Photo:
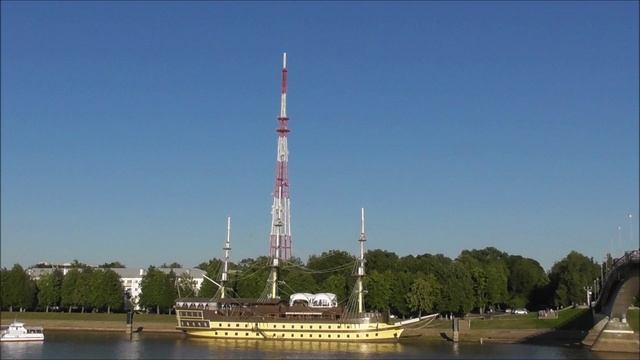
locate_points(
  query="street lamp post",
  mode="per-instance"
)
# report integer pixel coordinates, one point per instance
(630, 217)
(588, 290)
(619, 238)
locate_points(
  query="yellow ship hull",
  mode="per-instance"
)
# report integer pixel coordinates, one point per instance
(306, 331)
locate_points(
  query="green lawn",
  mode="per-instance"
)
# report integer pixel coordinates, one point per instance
(5, 315)
(571, 319)
(633, 317)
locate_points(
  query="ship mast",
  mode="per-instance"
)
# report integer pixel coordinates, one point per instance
(275, 259)
(225, 273)
(361, 261)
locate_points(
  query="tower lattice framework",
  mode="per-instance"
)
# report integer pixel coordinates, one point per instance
(280, 236)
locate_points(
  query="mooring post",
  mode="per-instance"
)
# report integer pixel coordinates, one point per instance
(456, 329)
(129, 308)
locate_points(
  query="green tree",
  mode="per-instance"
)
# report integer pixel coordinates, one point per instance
(423, 294)
(251, 278)
(457, 291)
(113, 291)
(186, 285)
(3, 287)
(18, 289)
(68, 295)
(381, 260)
(378, 285)
(173, 265)
(158, 290)
(84, 291)
(526, 280)
(50, 288)
(493, 286)
(480, 286)
(170, 292)
(107, 291)
(78, 265)
(400, 286)
(337, 284)
(570, 275)
(112, 265)
(330, 263)
(297, 279)
(213, 269)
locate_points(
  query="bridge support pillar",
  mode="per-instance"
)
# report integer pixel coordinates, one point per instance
(617, 336)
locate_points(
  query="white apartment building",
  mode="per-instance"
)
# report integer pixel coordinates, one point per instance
(131, 278)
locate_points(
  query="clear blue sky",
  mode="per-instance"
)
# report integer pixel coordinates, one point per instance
(131, 130)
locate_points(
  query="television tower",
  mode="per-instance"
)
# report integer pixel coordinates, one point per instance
(280, 237)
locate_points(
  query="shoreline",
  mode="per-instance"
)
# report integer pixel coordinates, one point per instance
(547, 337)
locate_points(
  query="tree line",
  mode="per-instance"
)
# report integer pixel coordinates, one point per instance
(480, 280)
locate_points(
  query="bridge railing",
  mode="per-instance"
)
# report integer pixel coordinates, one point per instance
(628, 257)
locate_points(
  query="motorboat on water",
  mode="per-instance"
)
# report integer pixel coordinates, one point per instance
(18, 332)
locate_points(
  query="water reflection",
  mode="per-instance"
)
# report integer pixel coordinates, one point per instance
(267, 348)
(83, 345)
(22, 349)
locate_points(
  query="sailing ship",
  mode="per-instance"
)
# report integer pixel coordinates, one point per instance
(304, 316)
(316, 317)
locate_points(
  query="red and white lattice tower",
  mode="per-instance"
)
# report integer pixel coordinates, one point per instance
(280, 237)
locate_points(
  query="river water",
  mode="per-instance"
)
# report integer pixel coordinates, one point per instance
(80, 345)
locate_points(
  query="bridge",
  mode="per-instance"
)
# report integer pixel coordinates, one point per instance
(617, 293)
(620, 287)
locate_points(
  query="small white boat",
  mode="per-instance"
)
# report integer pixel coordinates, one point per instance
(18, 332)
